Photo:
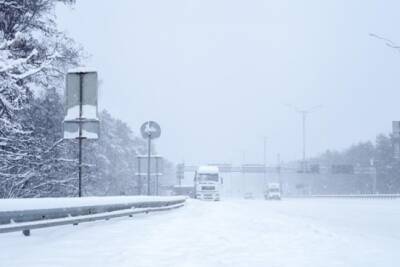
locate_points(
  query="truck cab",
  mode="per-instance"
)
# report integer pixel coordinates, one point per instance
(207, 183)
(272, 191)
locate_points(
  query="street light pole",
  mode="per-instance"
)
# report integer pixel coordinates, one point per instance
(304, 117)
(265, 158)
(304, 113)
(243, 171)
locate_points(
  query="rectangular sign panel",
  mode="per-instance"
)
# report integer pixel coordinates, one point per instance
(156, 165)
(90, 129)
(81, 89)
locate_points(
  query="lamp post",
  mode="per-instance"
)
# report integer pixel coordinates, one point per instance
(304, 113)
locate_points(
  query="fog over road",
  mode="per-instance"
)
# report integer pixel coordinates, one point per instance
(233, 232)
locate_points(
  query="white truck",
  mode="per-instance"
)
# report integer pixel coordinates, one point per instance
(207, 183)
(272, 191)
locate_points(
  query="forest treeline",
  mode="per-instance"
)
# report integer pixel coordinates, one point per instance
(378, 154)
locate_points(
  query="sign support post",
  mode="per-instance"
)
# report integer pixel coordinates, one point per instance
(156, 186)
(80, 136)
(139, 179)
(81, 115)
(150, 130)
(148, 164)
(155, 173)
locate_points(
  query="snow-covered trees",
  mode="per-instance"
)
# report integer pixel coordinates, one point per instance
(47, 165)
(33, 56)
(34, 159)
(363, 154)
(388, 167)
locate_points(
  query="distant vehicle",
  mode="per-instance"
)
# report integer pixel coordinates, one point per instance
(272, 191)
(207, 183)
(248, 195)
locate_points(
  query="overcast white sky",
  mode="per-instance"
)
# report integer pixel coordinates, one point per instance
(216, 74)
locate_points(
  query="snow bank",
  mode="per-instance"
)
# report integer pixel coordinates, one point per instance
(240, 233)
(82, 69)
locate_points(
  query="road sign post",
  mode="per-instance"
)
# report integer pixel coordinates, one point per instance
(81, 115)
(156, 182)
(148, 166)
(156, 170)
(149, 130)
(139, 183)
(180, 173)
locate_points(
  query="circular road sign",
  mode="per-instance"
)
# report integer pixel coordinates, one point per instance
(150, 129)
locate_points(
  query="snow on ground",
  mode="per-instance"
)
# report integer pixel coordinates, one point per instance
(291, 232)
(64, 202)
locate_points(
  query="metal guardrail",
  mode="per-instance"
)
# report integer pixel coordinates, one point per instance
(26, 220)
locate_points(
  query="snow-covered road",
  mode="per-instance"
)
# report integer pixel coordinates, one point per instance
(292, 232)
